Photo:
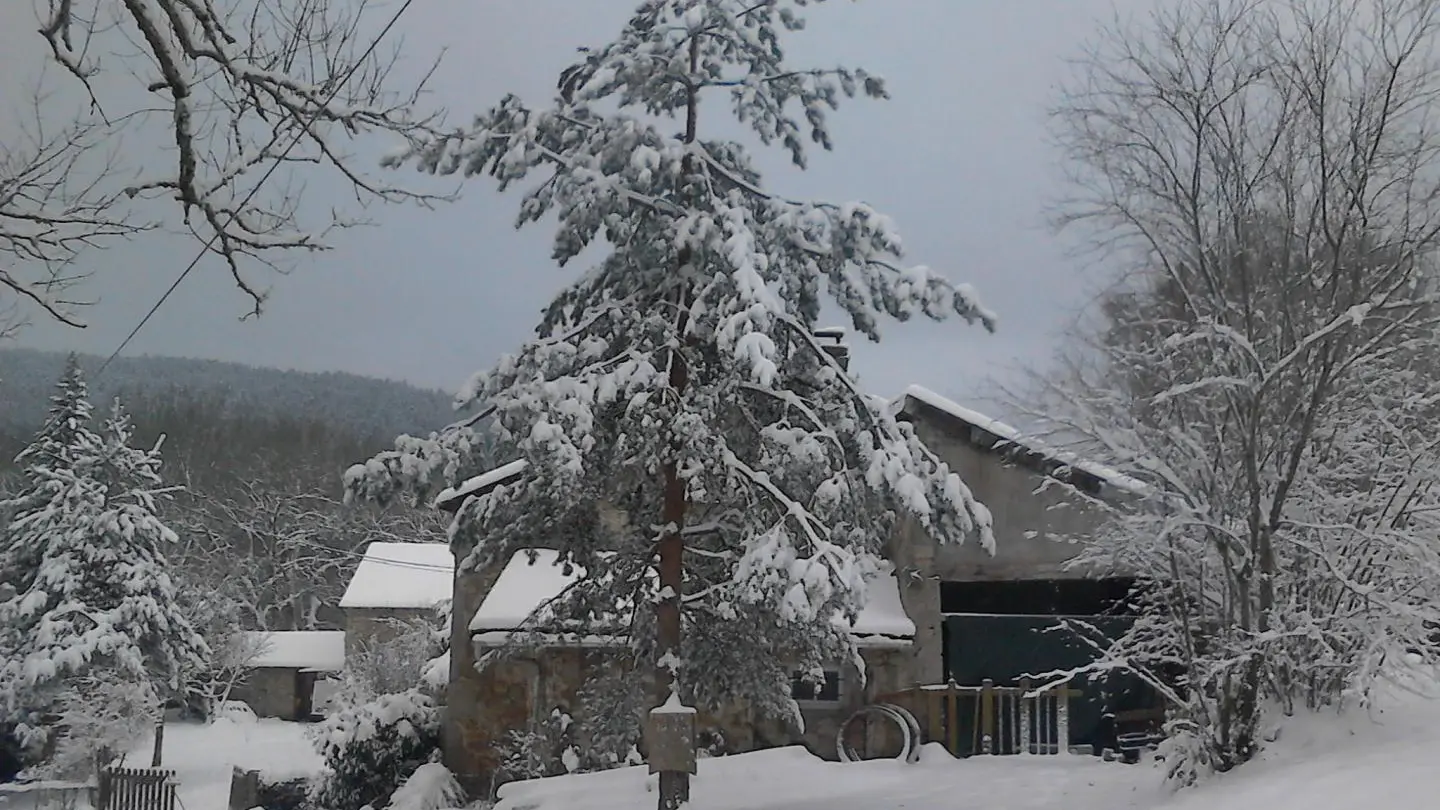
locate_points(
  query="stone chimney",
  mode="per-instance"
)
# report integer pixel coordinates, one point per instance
(832, 342)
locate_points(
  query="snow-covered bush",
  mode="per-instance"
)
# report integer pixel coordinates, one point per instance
(431, 787)
(385, 667)
(287, 794)
(371, 749)
(97, 718)
(547, 748)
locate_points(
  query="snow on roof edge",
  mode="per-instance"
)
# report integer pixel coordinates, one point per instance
(316, 650)
(1008, 433)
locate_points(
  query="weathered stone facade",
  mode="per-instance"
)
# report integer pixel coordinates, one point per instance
(279, 692)
(366, 627)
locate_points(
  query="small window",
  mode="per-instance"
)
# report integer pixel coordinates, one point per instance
(826, 691)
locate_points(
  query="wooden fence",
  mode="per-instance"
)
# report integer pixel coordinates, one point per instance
(1005, 719)
(137, 789)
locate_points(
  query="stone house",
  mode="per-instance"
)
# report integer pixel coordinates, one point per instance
(948, 612)
(281, 678)
(395, 586)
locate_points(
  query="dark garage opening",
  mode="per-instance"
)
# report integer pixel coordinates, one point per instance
(1003, 631)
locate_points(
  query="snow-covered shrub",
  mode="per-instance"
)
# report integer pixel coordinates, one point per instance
(287, 794)
(386, 666)
(547, 748)
(431, 787)
(97, 718)
(371, 749)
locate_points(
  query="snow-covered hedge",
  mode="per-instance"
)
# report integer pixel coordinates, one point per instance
(371, 749)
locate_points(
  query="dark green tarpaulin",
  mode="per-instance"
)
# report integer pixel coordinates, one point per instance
(1006, 648)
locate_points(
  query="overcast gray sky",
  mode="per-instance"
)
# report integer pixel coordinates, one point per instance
(958, 158)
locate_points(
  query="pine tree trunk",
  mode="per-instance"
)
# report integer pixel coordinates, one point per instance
(674, 785)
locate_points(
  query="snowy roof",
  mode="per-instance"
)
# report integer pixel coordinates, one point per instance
(1009, 434)
(402, 575)
(522, 588)
(451, 498)
(320, 650)
(525, 586)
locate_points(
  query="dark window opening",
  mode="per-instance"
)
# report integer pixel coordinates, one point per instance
(1042, 597)
(826, 691)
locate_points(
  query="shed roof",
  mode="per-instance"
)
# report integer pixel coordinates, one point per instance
(312, 650)
(402, 575)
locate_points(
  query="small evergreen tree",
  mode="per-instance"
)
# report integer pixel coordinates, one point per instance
(84, 547)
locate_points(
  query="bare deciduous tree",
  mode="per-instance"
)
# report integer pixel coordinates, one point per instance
(54, 202)
(281, 557)
(1265, 173)
(244, 88)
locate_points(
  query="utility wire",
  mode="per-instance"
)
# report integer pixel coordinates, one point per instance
(209, 243)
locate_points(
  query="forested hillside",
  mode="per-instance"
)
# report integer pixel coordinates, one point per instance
(265, 540)
(359, 406)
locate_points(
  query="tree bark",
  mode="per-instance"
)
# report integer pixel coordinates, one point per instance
(674, 785)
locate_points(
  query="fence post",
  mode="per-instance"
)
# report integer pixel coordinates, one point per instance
(1062, 719)
(1025, 715)
(987, 716)
(952, 705)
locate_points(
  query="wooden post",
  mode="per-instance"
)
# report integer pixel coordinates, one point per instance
(159, 742)
(935, 716)
(106, 786)
(1024, 715)
(952, 718)
(987, 716)
(1062, 718)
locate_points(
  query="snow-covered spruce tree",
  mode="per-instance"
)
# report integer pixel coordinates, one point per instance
(679, 379)
(1264, 373)
(84, 550)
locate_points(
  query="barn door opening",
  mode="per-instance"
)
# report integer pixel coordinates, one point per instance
(1004, 631)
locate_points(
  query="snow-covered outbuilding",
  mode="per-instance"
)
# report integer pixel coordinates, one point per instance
(395, 584)
(284, 667)
(946, 612)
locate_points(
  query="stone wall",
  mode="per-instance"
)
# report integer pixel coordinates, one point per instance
(370, 626)
(886, 671)
(270, 692)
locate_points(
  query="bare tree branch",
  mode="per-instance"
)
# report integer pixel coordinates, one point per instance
(245, 88)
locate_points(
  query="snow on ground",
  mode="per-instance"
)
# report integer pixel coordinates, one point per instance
(1384, 758)
(792, 779)
(203, 754)
(1322, 762)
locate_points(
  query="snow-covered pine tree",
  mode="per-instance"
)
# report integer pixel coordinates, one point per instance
(680, 379)
(84, 549)
(69, 415)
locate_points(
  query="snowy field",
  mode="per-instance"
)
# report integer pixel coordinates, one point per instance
(202, 756)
